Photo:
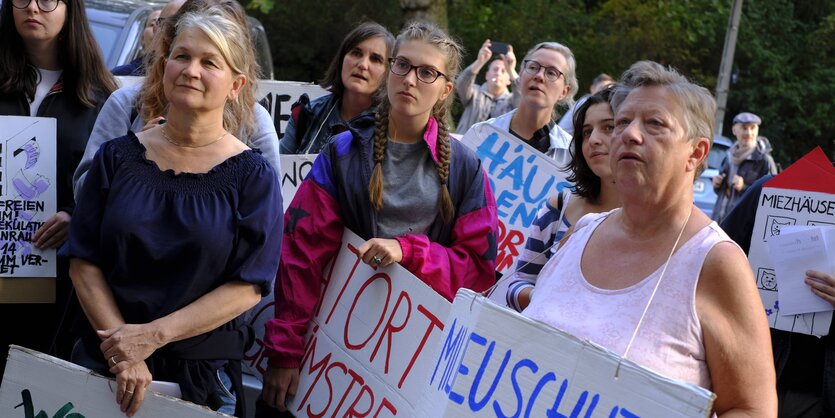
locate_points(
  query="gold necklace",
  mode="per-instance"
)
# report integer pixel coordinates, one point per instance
(178, 144)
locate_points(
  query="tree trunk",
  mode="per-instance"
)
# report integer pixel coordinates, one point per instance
(434, 11)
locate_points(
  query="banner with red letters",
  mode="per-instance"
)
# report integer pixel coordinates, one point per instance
(370, 341)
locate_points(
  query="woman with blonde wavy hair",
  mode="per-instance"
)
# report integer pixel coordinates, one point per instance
(419, 199)
(178, 226)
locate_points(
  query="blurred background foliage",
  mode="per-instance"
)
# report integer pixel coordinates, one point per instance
(784, 67)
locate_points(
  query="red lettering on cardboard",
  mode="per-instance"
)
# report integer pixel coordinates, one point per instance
(390, 328)
(365, 285)
(433, 322)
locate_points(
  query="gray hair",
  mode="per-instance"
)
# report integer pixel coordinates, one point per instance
(697, 103)
(570, 73)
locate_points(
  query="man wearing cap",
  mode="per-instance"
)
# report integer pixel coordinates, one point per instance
(748, 159)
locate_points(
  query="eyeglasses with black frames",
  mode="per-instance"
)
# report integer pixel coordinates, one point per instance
(532, 67)
(46, 6)
(401, 67)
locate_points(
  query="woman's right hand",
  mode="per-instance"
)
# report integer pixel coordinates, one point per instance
(159, 120)
(131, 385)
(484, 53)
(278, 384)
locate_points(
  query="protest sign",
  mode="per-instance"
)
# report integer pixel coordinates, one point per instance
(492, 362)
(278, 96)
(803, 194)
(522, 179)
(796, 250)
(294, 169)
(36, 385)
(28, 194)
(369, 345)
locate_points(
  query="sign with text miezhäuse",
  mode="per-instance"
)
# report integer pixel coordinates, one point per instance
(802, 195)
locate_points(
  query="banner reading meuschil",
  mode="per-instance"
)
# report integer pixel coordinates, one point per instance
(492, 362)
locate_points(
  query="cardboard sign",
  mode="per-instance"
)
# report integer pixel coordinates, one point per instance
(294, 170)
(370, 343)
(803, 194)
(28, 194)
(278, 96)
(522, 179)
(36, 385)
(492, 362)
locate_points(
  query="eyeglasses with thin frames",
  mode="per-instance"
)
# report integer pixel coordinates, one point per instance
(532, 67)
(46, 6)
(401, 67)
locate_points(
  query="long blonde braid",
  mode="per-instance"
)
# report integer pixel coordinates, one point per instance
(444, 149)
(375, 186)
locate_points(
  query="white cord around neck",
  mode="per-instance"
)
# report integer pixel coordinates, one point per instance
(654, 290)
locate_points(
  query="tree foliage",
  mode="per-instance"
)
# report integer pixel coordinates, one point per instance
(783, 70)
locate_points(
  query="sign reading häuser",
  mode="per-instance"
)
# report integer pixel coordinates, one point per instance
(492, 362)
(28, 195)
(37, 385)
(522, 179)
(370, 342)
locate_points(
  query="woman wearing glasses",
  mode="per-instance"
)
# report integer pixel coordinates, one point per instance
(353, 78)
(419, 198)
(50, 66)
(548, 78)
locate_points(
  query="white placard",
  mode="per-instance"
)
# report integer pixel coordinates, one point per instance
(38, 385)
(278, 96)
(370, 343)
(776, 208)
(522, 179)
(29, 194)
(794, 251)
(492, 362)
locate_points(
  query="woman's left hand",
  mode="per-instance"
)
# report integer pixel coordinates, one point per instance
(53, 232)
(131, 385)
(380, 252)
(127, 345)
(822, 285)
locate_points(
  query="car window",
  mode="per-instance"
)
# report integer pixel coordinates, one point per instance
(106, 36)
(716, 155)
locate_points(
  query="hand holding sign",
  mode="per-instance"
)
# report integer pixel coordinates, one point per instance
(822, 284)
(279, 385)
(380, 252)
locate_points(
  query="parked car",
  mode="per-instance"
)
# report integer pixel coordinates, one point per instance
(117, 26)
(703, 194)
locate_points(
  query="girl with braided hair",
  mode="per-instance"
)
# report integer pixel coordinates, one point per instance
(419, 199)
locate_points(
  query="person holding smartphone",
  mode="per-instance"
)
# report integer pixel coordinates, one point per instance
(491, 99)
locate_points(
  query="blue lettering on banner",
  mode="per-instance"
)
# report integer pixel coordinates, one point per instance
(519, 199)
(453, 353)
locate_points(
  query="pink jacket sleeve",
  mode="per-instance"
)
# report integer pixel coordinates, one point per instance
(470, 260)
(312, 235)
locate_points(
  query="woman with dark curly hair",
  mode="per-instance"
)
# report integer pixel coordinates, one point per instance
(594, 192)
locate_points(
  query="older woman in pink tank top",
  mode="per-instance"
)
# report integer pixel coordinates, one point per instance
(656, 281)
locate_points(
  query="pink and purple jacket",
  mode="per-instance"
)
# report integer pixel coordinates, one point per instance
(334, 195)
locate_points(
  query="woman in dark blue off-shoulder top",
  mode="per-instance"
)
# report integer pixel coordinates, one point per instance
(178, 229)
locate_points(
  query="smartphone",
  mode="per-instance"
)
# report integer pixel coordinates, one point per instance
(498, 48)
